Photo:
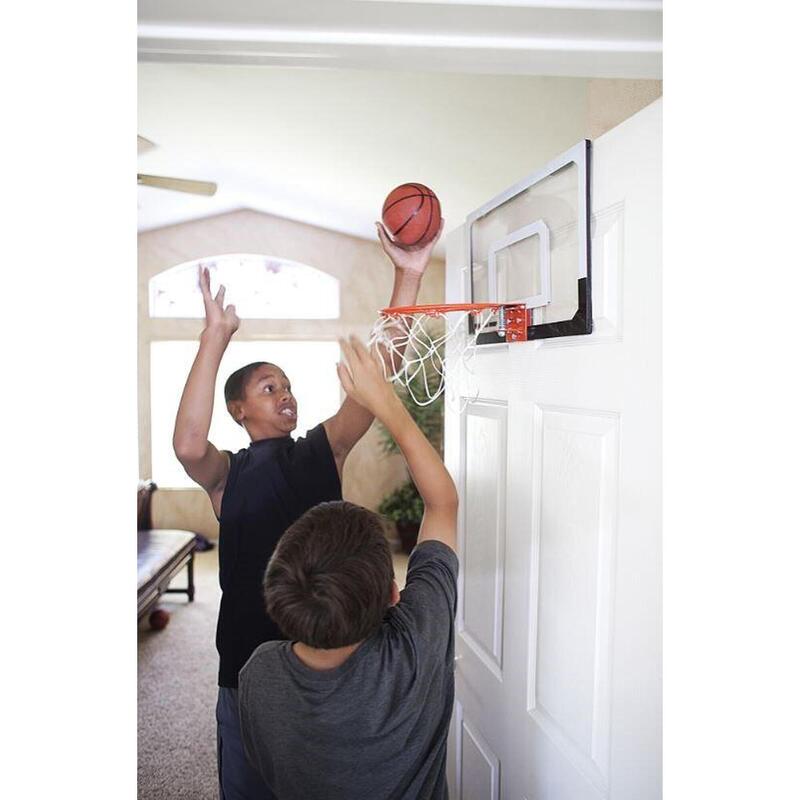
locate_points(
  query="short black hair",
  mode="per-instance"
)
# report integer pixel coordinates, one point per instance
(234, 386)
(329, 581)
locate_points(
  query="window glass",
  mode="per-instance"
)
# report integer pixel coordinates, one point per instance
(261, 287)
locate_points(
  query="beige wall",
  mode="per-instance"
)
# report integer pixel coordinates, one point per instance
(366, 277)
(610, 102)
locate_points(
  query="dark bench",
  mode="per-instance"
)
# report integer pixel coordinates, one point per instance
(160, 555)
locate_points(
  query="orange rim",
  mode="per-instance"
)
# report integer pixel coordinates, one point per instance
(438, 308)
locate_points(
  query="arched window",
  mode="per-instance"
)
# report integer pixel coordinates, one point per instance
(261, 287)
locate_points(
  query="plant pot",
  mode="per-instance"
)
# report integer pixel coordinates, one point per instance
(407, 532)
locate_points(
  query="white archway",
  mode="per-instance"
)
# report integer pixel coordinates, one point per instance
(260, 286)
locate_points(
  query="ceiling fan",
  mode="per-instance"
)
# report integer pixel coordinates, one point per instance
(174, 184)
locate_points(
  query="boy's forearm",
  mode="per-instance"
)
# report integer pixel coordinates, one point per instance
(404, 293)
(406, 287)
(197, 402)
(429, 474)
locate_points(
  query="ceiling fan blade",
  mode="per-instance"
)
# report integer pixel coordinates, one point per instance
(177, 184)
(143, 145)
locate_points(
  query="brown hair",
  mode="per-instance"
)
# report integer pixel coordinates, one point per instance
(329, 581)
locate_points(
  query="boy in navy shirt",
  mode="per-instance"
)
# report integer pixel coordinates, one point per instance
(261, 490)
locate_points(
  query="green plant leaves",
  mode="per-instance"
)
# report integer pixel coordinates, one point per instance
(404, 504)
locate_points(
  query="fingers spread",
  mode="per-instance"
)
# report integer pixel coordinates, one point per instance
(360, 349)
(347, 352)
(205, 282)
(343, 370)
(345, 346)
(344, 377)
(220, 298)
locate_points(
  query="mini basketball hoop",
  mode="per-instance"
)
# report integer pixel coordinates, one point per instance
(415, 344)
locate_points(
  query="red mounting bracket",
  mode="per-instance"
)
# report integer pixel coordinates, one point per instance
(512, 322)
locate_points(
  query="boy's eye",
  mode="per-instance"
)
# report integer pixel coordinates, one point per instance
(269, 388)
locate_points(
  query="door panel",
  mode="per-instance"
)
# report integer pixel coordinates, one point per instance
(558, 467)
(483, 554)
(576, 486)
(479, 766)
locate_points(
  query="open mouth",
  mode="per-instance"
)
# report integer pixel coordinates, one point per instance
(288, 412)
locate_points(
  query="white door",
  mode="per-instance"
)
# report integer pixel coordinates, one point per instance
(558, 665)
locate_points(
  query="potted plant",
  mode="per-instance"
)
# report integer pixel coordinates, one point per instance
(404, 505)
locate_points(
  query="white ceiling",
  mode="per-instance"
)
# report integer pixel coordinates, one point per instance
(580, 38)
(357, 97)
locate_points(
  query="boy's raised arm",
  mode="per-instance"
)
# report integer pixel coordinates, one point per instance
(362, 379)
(352, 421)
(201, 460)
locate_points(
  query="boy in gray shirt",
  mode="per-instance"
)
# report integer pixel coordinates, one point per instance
(358, 703)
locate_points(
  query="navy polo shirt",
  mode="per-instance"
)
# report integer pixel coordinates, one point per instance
(270, 485)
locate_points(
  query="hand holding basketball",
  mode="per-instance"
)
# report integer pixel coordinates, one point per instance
(361, 375)
(409, 259)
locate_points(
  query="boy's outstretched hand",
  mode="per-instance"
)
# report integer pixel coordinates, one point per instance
(361, 376)
(219, 317)
(412, 259)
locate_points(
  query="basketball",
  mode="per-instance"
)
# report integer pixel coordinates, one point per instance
(159, 619)
(411, 214)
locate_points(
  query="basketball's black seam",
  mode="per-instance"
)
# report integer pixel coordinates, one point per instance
(406, 197)
(428, 226)
(400, 200)
(413, 215)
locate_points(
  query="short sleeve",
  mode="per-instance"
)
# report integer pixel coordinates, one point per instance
(313, 467)
(427, 604)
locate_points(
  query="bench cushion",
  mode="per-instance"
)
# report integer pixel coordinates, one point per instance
(156, 549)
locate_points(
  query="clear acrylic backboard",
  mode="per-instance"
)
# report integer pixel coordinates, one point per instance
(530, 245)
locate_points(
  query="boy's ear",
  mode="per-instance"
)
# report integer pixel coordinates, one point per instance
(395, 598)
(236, 411)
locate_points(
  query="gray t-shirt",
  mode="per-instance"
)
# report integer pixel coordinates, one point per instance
(374, 727)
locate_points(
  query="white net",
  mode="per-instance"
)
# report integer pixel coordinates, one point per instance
(425, 349)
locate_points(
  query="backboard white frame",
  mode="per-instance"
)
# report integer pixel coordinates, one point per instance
(540, 229)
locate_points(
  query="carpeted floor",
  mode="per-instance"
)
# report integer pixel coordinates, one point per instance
(177, 694)
(178, 690)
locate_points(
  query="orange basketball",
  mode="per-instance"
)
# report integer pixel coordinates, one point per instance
(411, 214)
